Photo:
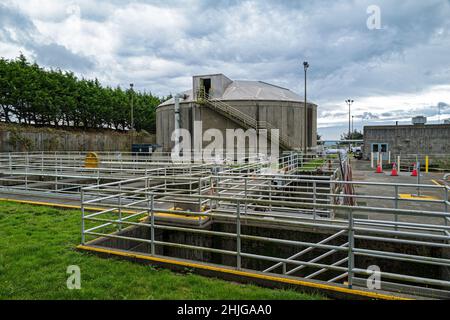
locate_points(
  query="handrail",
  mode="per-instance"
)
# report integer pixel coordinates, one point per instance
(243, 117)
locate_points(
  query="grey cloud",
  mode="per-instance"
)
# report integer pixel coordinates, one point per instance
(369, 116)
(268, 40)
(57, 55)
(17, 28)
(14, 24)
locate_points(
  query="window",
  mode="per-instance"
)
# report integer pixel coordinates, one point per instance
(380, 147)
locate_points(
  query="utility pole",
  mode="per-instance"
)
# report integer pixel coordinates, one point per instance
(305, 122)
(349, 102)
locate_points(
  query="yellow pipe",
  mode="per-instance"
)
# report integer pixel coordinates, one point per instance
(426, 164)
(367, 294)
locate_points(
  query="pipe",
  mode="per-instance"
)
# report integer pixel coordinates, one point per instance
(177, 120)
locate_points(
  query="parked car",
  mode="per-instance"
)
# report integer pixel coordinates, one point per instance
(358, 154)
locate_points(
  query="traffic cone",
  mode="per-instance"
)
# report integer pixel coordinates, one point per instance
(394, 172)
(379, 168)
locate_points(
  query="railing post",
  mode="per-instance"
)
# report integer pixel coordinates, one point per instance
(152, 224)
(199, 193)
(418, 178)
(351, 244)
(26, 178)
(396, 206)
(120, 206)
(445, 203)
(82, 217)
(270, 194)
(284, 268)
(314, 199)
(238, 236)
(245, 191)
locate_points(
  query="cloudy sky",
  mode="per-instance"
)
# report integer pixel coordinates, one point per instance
(393, 72)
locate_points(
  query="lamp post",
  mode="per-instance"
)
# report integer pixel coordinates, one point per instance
(353, 128)
(305, 139)
(349, 102)
(132, 115)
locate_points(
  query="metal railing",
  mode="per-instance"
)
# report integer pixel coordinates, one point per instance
(294, 202)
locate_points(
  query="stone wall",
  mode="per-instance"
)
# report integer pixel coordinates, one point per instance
(16, 138)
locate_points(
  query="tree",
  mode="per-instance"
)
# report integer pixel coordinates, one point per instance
(319, 137)
(32, 95)
(355, 135)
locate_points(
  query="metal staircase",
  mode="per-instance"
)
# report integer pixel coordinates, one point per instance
(241, 118)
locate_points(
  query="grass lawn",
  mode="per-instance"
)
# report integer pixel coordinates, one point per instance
(37, 245)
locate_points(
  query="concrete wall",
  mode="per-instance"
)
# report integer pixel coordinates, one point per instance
(285, 115)
(15, 138)
(305, 234)
(409, 139)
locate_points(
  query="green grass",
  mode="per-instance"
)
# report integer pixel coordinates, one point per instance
(37, 245)
(312, 164)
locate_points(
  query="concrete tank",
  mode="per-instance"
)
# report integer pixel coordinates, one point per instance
(264, 102)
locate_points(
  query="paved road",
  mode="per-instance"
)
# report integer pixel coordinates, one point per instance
(363, 172)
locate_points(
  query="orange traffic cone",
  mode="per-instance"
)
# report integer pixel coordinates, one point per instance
(394, 172)
(379, 169)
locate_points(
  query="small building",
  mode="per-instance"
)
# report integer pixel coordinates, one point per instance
(417, 138)
(234, 104)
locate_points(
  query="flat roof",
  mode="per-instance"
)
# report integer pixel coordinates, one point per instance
(418, 126)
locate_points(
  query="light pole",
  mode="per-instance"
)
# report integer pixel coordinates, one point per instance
(132, 115)
(353, 128)
(305, 139)
(349, 102)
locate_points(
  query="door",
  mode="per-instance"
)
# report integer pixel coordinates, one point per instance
(381, 149)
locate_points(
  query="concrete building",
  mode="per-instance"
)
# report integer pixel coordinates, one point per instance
(423, 139)
(238, 104)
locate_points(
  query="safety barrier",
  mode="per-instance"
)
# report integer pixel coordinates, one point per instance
(285, 202)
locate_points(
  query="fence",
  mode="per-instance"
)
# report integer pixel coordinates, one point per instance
(283, 202)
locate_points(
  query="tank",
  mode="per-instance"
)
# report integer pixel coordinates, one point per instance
(263, 105)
